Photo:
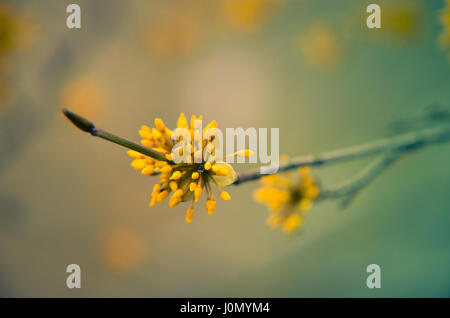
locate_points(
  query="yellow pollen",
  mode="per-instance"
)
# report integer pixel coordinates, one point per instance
(193, 119)
(195, 176)
(147, 143)
(182, 121)
(166, 169)
(174, 201)
(173, 186)
(210, 206)
(176, 175)
(135, 155)
(159, 124)
(197, 193)
(178, 193)
(222, 172)
(245, 153)
(292, 223)
(147, 170)
(156, 134)
(225, 196)
(312, 192)
(161, 150)
(145, 134)
(192, 186)
(189, 215)
(212, 124)
(304, 170)
(161, 164)
(156, 187)
(162, 195)
(139, 164)
(197, 123)
(305, 204)
(207, 166)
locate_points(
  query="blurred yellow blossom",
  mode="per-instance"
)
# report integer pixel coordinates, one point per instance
(173, 32)
(248, 15)
(122, 249)
(16, 34)
(320, 46)
(199, 169)
(16, 30)
(83, 94)
(444, 17)
(402, 20)
(287, 199)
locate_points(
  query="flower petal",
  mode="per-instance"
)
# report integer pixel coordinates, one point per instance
(223, 181)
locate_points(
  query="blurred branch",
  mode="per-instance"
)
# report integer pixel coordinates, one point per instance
(350, 189)
(391, 148)
(432, 115)
(402, 143)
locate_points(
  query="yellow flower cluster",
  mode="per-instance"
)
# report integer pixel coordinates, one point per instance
(186, 181)
(16, 30)
(287, 200)
(444, 39)
(122, 249)
(320, 46)
(403, 20)
(248, 15)
(173, 33)
(16, 34)
(85, 96)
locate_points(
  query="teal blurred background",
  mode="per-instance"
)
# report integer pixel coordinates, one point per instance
(311, 68)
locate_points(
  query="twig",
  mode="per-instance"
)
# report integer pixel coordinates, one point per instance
(88, 126)
(392, 145)
(432, 115)
(350, 189)
(402, 143)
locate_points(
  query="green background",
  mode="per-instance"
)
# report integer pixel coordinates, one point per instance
(62, 192)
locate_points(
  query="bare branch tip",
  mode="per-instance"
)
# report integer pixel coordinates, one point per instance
(79, 121)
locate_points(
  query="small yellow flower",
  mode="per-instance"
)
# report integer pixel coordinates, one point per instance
(185, 181)
(84, 95)
(122, 249)
(189, 215)
(320, 46)
(210, 206)
(403, 20)
(17, 33)
(248, 15)
(444, 39)
(17, 30)
(225, 196)
(287, 200)
(173, 33)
